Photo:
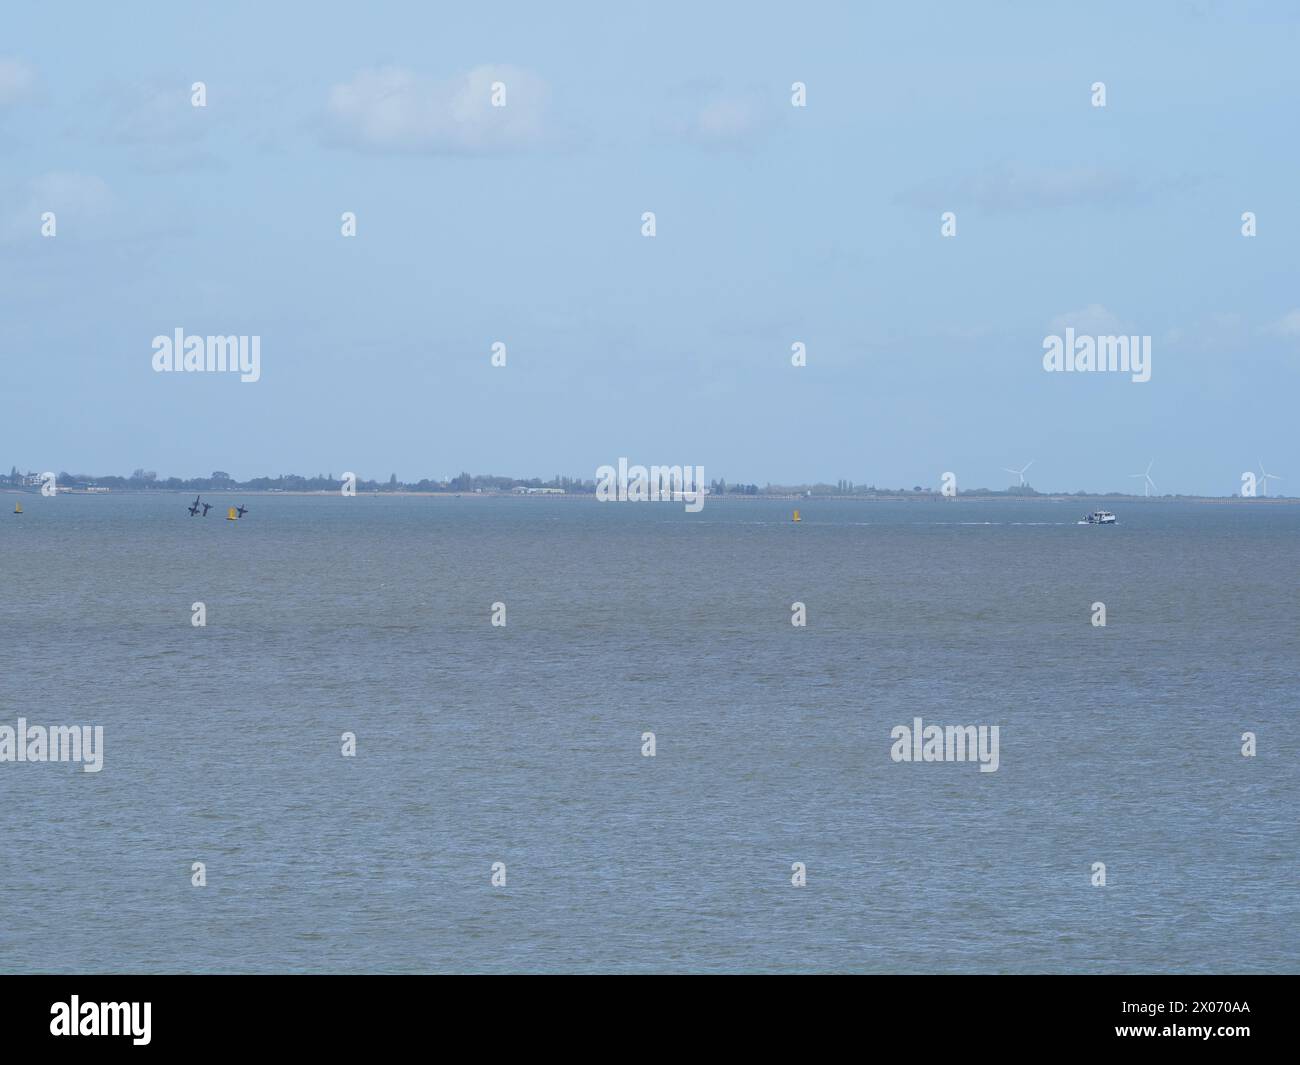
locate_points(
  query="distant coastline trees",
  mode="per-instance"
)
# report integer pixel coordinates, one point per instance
(142, 480)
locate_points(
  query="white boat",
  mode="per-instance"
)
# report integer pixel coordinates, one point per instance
(1099, 517)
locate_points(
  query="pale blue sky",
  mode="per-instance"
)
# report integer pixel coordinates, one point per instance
(775, 224)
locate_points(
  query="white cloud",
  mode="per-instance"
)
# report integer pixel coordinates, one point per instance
(17, 80)
(392, 109)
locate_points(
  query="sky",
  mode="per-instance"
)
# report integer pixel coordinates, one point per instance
(774, 225)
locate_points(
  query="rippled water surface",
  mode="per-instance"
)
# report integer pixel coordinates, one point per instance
(479, 744)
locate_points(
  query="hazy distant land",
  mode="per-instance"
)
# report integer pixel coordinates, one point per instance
(493, 485)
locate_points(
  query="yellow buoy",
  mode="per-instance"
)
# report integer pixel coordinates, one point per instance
(18, 508)
(796, 517)
(231, 515)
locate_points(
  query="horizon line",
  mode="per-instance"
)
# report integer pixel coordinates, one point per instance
(148, 480)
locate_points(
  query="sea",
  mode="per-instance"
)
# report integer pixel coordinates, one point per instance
(502, 810)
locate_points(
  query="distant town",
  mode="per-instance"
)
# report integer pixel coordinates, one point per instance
(491, 484)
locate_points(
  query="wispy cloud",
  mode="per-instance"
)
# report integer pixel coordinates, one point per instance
(393, 109)
(1288, 325)
(78, 201)
(159, 130)
(1010, 187)
(17, 81)
(1215, 331)
(153, 114)
(1092, 320)
(726, 119)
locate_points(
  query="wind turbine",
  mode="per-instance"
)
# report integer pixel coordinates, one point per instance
(1264, 478)
(1149, 484)
(1020, 472)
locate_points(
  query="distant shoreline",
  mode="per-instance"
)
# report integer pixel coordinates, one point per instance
(910, 497)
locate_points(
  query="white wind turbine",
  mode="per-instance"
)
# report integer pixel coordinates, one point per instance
(1265, 477)
(1148, 484)
(1020, 472)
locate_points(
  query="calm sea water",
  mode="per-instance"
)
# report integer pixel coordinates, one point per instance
(522, 744)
